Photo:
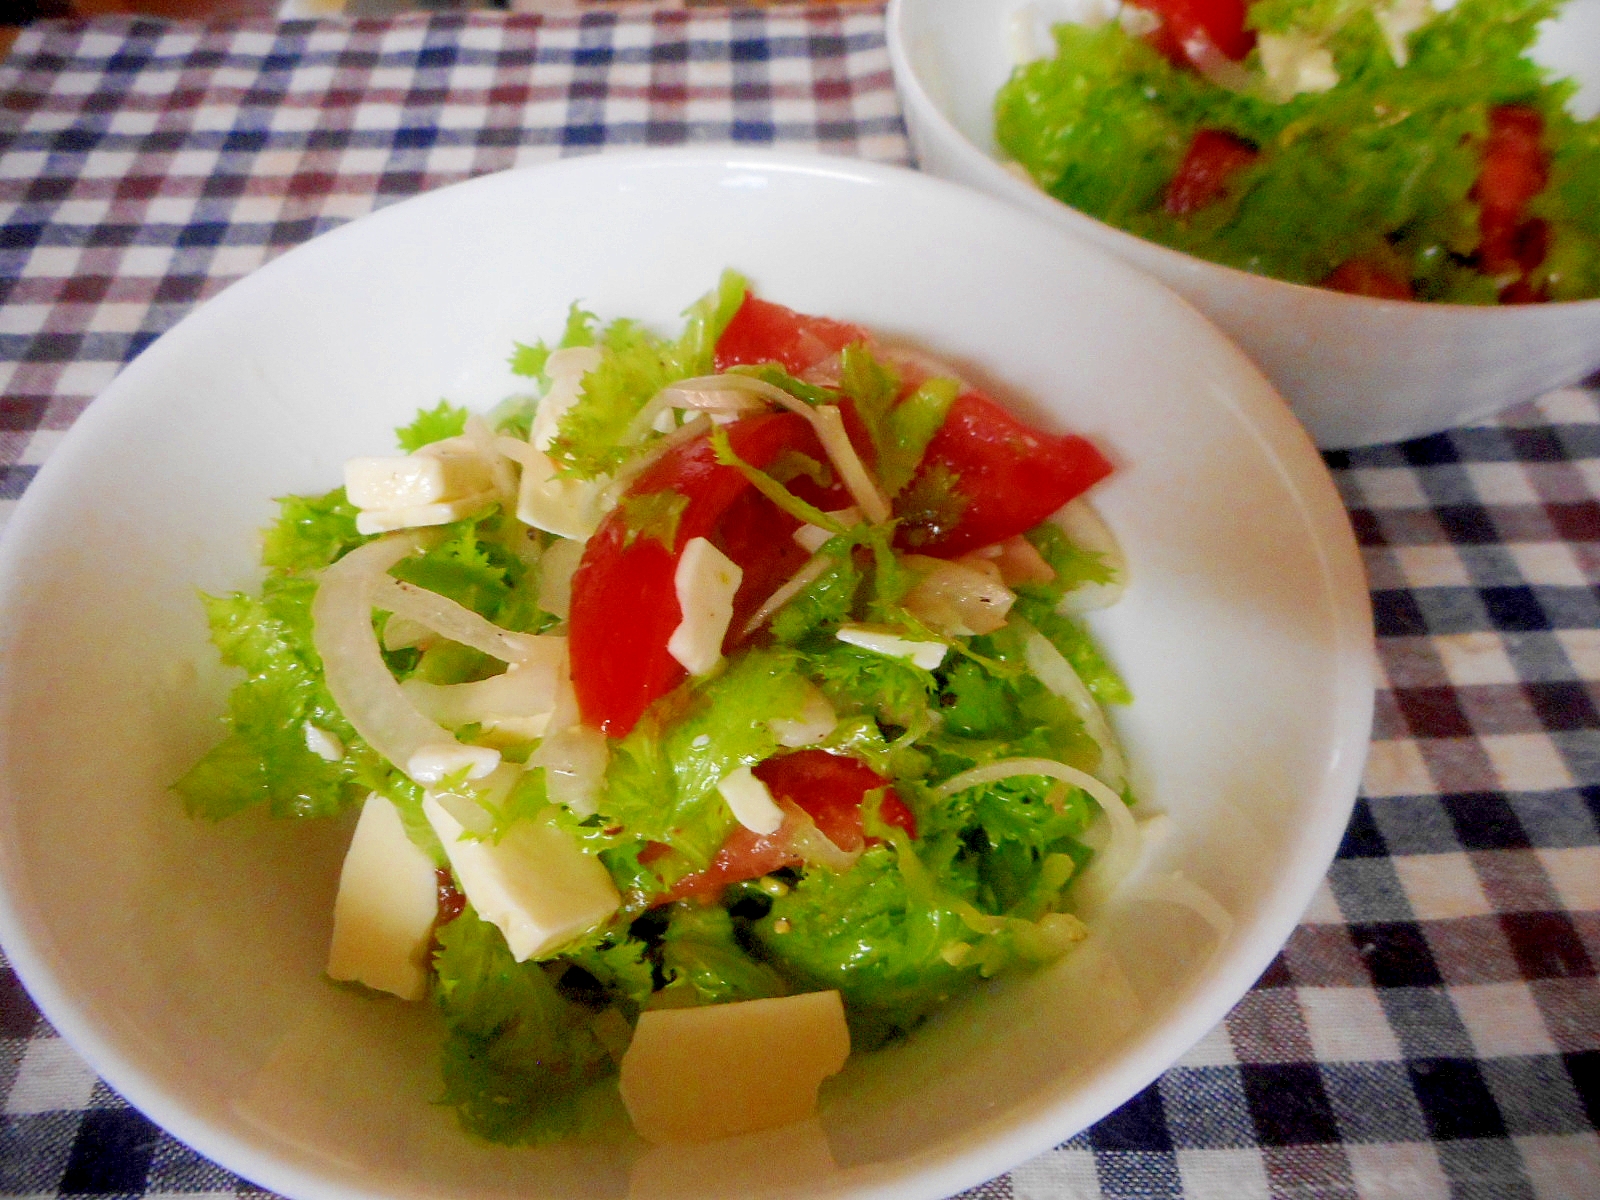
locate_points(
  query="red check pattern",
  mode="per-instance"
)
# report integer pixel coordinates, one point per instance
(1432, 1028)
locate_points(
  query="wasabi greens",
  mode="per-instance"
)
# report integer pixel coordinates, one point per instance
(530, 1049)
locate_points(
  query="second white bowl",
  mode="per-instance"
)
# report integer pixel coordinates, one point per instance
(1356, 370)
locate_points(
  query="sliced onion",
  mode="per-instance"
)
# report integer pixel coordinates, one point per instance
(708, 393)
(1121, 852)
(957, 598)
(824, 418)
(487, 446)
(402, 633)
(1019, 561)
(801, 835)
(748, 385)
(357, 678)
(518, 693)
(460, 624)
(557, 566)
(813, 570)
(829, 424)
(513, 448)
(574, 761)
(1177, 888)
(473, 806)
(816, 721)
(1053, 670)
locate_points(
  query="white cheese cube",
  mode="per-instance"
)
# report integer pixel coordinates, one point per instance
(414, 480)
(322, 743)
(570, 508)
(706, 580)
(416, 516)
(926, 655)
(534, 884)
(696, 1074)
(812, 537)
(1294, 63)
(388, 899)
(750, 802)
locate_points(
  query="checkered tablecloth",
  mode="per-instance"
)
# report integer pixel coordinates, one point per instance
(1431, 1030)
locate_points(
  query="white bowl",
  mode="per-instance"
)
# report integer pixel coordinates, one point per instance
(184, 960)
(1356, 370)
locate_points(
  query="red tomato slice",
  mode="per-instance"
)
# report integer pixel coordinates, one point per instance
(624, 604)
(1008, 476)
(829, 788)
(1193, 30)
(745, 855)
(1361, 278)
(1514, 169)
(1213, 158)
(763, 332)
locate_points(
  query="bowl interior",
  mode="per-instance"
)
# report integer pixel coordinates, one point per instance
(184, 959)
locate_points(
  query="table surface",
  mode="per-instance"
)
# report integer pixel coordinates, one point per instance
(1431, 1029)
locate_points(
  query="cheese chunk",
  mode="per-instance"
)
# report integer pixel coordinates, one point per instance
(383, 916)
(416, 516)
(813, 537)
(750, 802)
(706, 580)
(567, 507)
(535, 885)
(414, 480)
(926, 655)
(696, 1074)
(1294, 63)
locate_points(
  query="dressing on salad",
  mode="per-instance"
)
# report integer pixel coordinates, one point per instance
(739, 673)
(1404, 149)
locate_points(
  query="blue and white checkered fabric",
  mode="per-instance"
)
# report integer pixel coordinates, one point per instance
(1432, 1028)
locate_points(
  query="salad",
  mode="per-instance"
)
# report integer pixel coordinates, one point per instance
(724, 701)
(1406, 149)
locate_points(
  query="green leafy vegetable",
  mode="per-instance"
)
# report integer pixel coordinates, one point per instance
(522, 1063)
(634, 365)
(432, 425)
(1380, 168)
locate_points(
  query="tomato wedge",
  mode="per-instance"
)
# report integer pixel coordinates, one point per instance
(1213, 158)
(1514, 169)
(829, 788)
(1009, 475)
(624, 603)
(1361, 278)
(987, 476)
(762, 332)
(1192, 31)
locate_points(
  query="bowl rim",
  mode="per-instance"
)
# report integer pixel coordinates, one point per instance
(983, 1152)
